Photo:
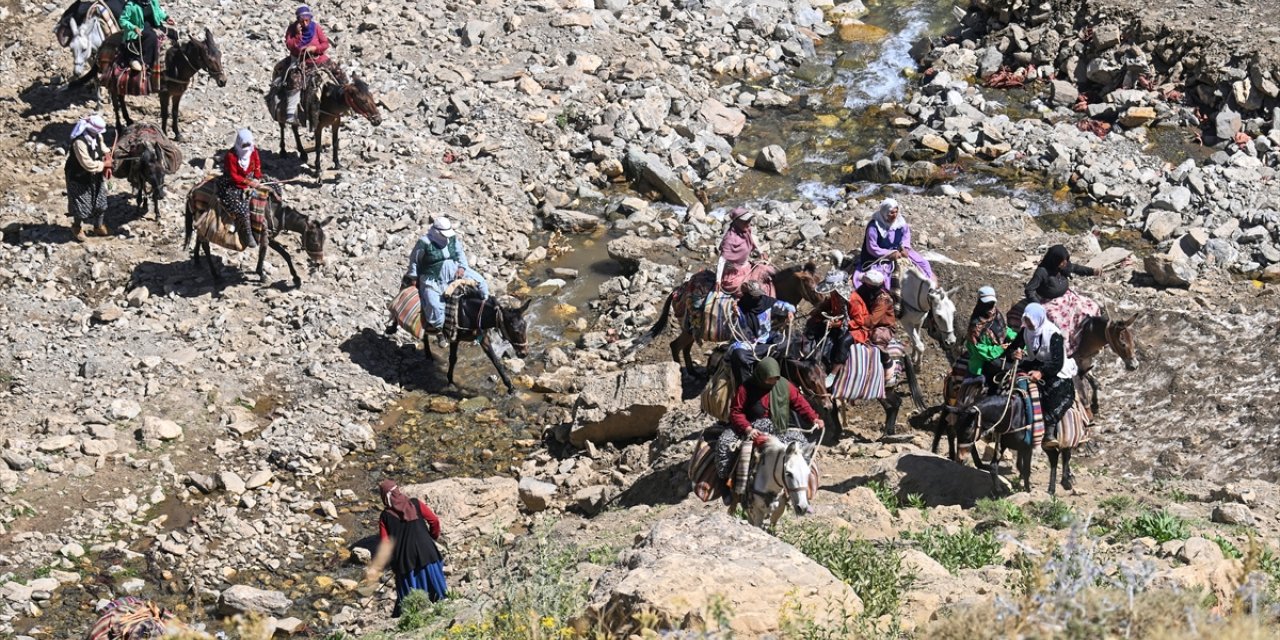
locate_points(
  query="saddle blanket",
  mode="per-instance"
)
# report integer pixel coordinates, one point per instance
(1032, 415)
(123, 81)
(720, 312)
(407, 309)
(210, 222)
(259, 200)
(707, 484)
(863, 377)
(1073, 431)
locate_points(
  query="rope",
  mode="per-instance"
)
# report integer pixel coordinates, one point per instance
(1008, 402)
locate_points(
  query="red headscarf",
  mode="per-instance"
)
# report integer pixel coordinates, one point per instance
(396, 501)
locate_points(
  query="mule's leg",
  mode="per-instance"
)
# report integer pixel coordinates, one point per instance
(994, 469)
(1095, 386)
(453, 360)
(164, 116)
(1024, 467)
(336, 163)
(1068, 478)
(262, 259)
(124, 109)
(319, 139)
(497, 364)
(115, 108)
(288, 260)
(779, 506)
(426, 346)
(177, 100)
(1053, 470)
(297, 141)
(208, 258)
(892, 403)
(282, 148)
(683, 346)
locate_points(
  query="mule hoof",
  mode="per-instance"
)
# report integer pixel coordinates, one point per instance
(297, 282)
(1066, 484)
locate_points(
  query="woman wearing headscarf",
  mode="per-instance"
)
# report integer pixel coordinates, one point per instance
(882, 320)
(408, 531)
(1050, 286)
(241, 171)
(887, 240)
(438, 259)
(1049, 365)
(841, 317)
(735, 267)
(138, 24)
(86, 169)
(754, 335)
(765, 404)
(307, 44)
(989, 335)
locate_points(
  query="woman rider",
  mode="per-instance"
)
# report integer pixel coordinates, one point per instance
(766, 404)
(989, 336)
(139, 22)
(241, 171)
(841, 317)
(735, 267)
(1050, 286)
(1050, 366)
(888, 239)
(307, 44)
(754, 338)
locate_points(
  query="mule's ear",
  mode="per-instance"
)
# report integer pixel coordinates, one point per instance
(524, 306)
(1130, 321)
(208, 36)
(75, 28)
(952, 291)
(325, 222)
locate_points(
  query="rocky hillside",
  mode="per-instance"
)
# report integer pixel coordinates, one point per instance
(218, 454)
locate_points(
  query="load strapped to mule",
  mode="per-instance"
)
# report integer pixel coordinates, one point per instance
(298, 73)
(116, 74)
(217, 225)
(406, 310)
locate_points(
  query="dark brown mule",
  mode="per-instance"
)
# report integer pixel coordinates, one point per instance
(1096, 334)
(335, 101)
(810, 376)
(791, 284)
(510, 323)
(182, 63)
(279, 218)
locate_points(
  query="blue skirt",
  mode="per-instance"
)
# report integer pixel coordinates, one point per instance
(429, 578)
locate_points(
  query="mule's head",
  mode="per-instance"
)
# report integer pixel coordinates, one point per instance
(809, 377)
(1120, 339)
(942, 319)
(208, 56)
(807, 277)
(360, 98)
(515, 329)
(313, 237)
(151, 168)
(795, 473)
(81, 46)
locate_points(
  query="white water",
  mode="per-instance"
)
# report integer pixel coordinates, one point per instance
(882, 80)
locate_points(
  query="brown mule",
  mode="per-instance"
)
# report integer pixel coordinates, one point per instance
(181, 64)
(335, 101)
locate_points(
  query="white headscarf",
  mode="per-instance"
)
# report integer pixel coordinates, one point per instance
(92, 122)
(1040, 330)
(244, 147)
(881, 218)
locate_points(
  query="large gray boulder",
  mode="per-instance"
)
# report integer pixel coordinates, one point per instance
(647, 170)
(470, 508)
(1169, 272)
(625, 405)
(243, 598)
(938, 480)
(685, 565)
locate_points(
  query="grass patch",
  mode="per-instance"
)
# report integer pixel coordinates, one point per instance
(874, 572)
(1000, 510)
(889, 498)
(1160, 525)
(417, 611)
(1229, 550)
(1054, 513)
(964, 549)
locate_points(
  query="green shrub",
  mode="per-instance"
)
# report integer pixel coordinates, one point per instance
(874, 572)
(1054, 513)
(886, 496)
(964, 549)
(1002, 510)
(1160, 525)
(1229, 550)
(417, 611)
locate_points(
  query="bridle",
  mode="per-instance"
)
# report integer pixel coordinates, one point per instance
(503, 331)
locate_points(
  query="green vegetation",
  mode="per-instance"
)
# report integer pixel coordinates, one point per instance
(1160, 525)
(891, 501)
(417, 611)
(964, 549)
(1054, 513)
(1229, 550)
(999, 510)
(874, 572)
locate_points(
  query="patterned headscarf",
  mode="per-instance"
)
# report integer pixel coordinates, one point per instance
(309, 31)
(92, 122)
(395, 500)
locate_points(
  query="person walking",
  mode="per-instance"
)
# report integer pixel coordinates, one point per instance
(87, 168)
(407, 531)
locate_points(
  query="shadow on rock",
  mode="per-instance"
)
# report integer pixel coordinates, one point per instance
(49, 97)
(396, 362)
(181, 277)
(662, 485)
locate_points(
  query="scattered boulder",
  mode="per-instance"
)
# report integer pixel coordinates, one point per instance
(772, 159)
(1233, 513)
(243, 598)
(1063, 93)
(1227, 123)
(535, 494)
(625, 405)
(568, 221)
(723, 120)
(1134, 117)
(1161, 224)
(1168, 272)
(154, 428)
(684, 565)
(938, 480)
(645, 169)
(470, 507)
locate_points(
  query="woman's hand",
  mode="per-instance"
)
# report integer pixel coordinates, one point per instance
(1036, 376)
(459, 273)
(137, 31)
(895, 255)
(759, 438)
(371, 575)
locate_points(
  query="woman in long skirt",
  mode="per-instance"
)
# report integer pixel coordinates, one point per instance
(408, 530)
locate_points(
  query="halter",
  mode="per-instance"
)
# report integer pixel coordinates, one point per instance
(502, 329)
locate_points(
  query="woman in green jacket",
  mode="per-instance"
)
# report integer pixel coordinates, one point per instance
(989, 335)
(138, 23)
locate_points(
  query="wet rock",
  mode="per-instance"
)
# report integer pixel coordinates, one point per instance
(572, 221)
(535, 494)
(684, 564)
(723, 120)
(1233, 513)
(630, 250)
(772, 159)
(243, 598)
(625, 405)
(815, 74)
(877, 170)
(647, 170)
(1168, 272)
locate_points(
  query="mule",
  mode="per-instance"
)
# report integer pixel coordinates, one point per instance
(335, 101)
(488, 314)
(929, 307)
(792, 284)
(809, 375)
(279, 218)
(87, 37)
(143, 156)
(1098, 333)
(181, 64)
(783, 472)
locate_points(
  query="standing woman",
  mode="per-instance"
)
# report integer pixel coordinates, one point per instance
(241, 171)
(887, 240)
(408, 530)
(1050, 366)
(87, 167)
(735, 267)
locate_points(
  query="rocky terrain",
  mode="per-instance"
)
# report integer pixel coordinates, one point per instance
(218, 453)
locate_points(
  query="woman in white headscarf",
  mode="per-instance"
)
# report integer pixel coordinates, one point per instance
(888, 239)
(86, 169)
(241, 171)
(1048, 363)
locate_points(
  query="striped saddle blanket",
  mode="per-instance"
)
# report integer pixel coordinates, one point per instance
(131, 618)
(1027, 411)
(1073, 431)
(259, 203)
(707, 484)
(209, 220)
(863, 377)
(719, 313)
(406, 307)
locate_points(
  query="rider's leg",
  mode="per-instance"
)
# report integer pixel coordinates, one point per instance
(483, 286)
(150, 48)
(293, 95)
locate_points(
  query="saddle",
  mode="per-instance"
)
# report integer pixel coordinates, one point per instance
(313, 78)
(213, 223)
(456, 314)
(137, 136)
(120, 78)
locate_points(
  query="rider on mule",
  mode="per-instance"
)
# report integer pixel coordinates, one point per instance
(989, 337)
(887, 240)
(754, 337)
(139, 22)
(735, 267)
(766, 404)
(1050, 366)
(241, 172)
(307, 44)
(437, 260)
(1050, 286)
(842, 318)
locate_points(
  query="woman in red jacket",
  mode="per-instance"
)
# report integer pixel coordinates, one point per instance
(762, 406)
(307, 44)
(241, 171)
(408, 530)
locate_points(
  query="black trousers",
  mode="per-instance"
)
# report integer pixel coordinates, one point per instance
(1058, 396)
(147, 45)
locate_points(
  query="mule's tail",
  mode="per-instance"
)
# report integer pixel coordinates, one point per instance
(913, 382)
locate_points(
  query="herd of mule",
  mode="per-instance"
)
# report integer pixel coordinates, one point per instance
(95, 41)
